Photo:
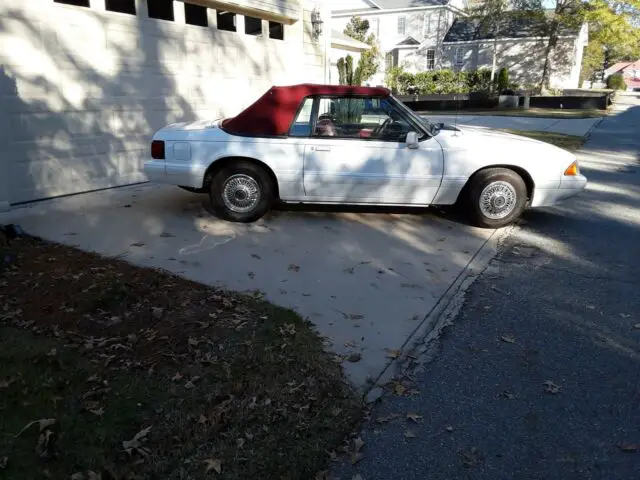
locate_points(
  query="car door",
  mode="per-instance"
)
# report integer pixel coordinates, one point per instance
(357, 153)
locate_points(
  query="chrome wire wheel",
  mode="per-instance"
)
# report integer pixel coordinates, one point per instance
(498, 200)
(241, 193)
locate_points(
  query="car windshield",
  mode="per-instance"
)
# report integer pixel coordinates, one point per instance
(432, 128)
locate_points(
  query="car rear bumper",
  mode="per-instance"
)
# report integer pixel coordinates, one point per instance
(158, 171)
(569, 187)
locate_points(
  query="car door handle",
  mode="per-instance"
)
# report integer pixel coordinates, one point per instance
(321, 149)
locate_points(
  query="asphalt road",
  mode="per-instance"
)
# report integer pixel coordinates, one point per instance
(539, 374)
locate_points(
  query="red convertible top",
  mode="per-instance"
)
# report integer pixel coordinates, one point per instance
(272, 114)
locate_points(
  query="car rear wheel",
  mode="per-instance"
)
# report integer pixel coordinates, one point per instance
(496, 197)
(241, 192)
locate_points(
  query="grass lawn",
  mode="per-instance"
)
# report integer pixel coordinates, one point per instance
(532, 112)
(110, 371)
(568, 142)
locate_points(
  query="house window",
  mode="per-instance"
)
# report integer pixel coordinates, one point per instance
(160, 9)
(402, 25)
(426, 27)
(388, 60)
(431, 59)
(276, 30)
(252, 26)
(195, 15)
(459, 60)
(121, 6)
(76, 3)
(226, 21)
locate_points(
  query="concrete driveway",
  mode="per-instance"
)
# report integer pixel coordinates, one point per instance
(368, 281)
(568, 126)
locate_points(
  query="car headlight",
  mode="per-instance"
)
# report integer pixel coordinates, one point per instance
(573, 169)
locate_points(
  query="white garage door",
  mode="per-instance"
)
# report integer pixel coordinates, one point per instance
(84, 83)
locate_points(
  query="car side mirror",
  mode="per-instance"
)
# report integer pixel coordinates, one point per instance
(412, 140)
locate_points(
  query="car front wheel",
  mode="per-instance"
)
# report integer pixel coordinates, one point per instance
(496, 197)
(241, 192)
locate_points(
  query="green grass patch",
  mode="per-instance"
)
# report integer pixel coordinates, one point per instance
(112, 371)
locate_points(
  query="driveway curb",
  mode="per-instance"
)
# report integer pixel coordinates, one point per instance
(417, 345)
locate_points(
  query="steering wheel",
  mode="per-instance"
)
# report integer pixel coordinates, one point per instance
(380, 128)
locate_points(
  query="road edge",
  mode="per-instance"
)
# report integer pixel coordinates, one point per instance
(417, 345)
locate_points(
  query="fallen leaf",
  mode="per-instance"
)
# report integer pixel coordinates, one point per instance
(3, 462)
(356, 457)
(157, 312)
(507, 394)
(354, 357)
(591, 307)
(629, 447)
(625, 315)
(387, 418)
(637, 325)
(471, 457)
(413, 417)
(355, 316)
(358, 443)
(6, 383)
(399, 389)
(193, 342)
(138, 244)
(393, 353)
(177, 377)
(202, 420)
(98, 411)
(357, 476)
(449, 429)
(409, 434)
(508, 339)
(551, 387)
(214, 464)
(136, 442)
(293, 267)
(77, 476)
(52, 353)
(93, 475)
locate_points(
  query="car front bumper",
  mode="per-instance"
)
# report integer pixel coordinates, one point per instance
(569, 187)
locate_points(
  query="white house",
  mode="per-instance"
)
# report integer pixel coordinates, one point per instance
(520, 48)
(422, 35)
(410, 31)
(84, 83)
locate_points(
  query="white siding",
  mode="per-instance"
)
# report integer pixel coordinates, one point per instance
(83, 89)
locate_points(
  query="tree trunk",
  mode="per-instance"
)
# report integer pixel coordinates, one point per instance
(548, 51)
(495, 59)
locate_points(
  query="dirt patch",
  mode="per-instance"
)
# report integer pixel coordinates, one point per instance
(128, 373)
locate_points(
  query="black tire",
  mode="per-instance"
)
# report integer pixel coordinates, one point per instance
(192, 189)
(243, 169)
(480, 181)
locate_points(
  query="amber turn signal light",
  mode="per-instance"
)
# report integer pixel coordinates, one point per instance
(572, 170)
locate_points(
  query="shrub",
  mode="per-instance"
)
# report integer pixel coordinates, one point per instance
(502, 81)
(616, 82)
(391, 78)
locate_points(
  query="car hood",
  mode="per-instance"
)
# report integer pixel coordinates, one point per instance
(480, 137)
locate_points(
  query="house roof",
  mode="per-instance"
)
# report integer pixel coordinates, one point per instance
(340, 40)
(381, 5)
(616, 67)
(393, 4)
(512, 26)
(272, 114)
(408, 42)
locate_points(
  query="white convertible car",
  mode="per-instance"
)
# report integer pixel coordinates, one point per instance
(334, 144)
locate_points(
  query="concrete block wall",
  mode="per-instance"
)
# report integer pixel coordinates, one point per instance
(83, 89)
